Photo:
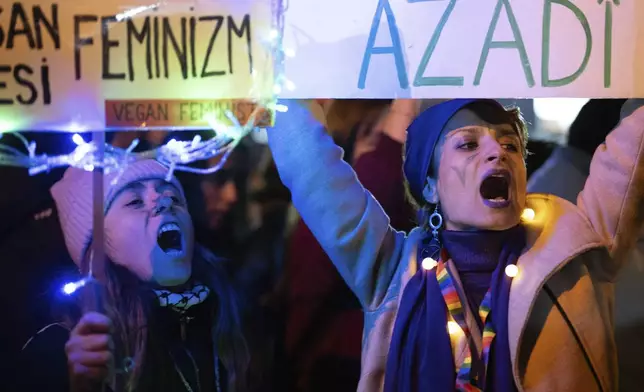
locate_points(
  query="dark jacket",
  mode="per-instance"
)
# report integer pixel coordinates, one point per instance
(171, 361)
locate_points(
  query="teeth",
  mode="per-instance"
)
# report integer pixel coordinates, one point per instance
(168, 227)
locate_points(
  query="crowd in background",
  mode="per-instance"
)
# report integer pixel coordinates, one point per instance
(303, 325)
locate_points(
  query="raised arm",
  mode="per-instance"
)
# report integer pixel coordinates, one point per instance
(613, 197)
(346, 220)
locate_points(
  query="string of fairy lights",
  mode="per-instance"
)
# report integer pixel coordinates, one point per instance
(176, 155)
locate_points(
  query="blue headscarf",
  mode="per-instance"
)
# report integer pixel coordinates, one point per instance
(422, 137)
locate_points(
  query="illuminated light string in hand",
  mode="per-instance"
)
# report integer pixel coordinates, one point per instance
(176, 155)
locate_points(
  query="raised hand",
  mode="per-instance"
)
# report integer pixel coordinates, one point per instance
(90, 353)
(401, 113)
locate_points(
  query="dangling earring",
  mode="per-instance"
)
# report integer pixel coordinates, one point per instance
(435, 222)
(432, 246)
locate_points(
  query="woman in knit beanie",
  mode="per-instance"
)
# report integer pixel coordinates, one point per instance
(496, 290)
(170, 321)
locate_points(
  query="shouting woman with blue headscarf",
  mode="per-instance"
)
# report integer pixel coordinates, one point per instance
(496, 290)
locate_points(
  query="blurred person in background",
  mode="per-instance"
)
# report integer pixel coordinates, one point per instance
(220, 195)
(565, 171)
(564, 174)
(325, 320)
(260, 274)
(538, 153)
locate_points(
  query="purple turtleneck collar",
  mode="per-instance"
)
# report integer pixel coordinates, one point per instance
(476, 255)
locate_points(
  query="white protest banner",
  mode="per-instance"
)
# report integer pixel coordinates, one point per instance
(72, 65)
(465, 48)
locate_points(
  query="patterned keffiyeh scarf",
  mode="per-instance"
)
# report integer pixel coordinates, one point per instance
(181, 302)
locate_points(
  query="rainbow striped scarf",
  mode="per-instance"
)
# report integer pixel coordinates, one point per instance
(421, 354)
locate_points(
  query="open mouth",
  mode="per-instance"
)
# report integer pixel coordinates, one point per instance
(495, 189)
(169, 239)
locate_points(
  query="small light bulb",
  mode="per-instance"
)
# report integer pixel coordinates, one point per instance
(453, 328)
(78, 139)
(289, 52)
(528, 215)
(5, 126)
(428, 263)
(289, 85)
(69, 288)
(512, 270)
(81, 152)
(281, 108)
(273, 34)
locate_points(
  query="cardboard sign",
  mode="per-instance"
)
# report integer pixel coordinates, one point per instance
(62, 62)
(465, 48)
